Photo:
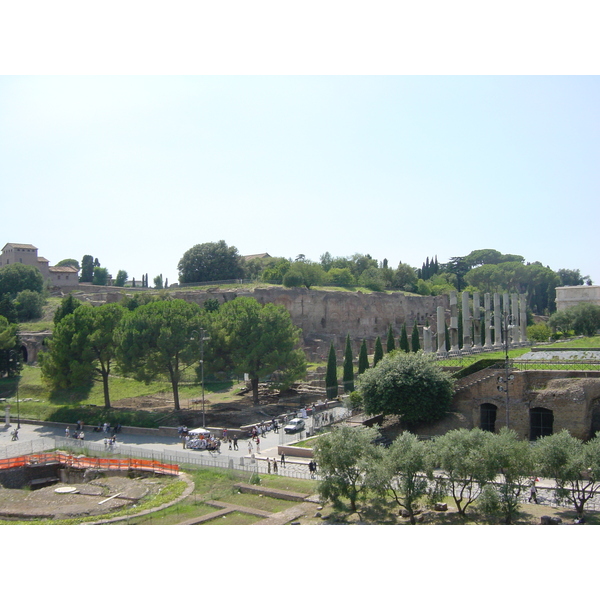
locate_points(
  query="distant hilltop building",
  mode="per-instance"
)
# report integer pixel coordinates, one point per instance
(26, 254)
(571, 295)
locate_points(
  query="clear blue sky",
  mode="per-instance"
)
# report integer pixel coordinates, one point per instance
(136, 170)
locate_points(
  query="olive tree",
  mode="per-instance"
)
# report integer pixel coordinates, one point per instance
(344, 457)
(573, 464)
(401, 472)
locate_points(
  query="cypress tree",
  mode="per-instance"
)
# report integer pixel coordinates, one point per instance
(378, 351)
(348, 367)
(447, 335)
(404, 339)
(363, 358)
(331, 382)
(416, 345)
(391, 343)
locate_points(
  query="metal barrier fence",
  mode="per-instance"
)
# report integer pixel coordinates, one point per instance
(192, 458)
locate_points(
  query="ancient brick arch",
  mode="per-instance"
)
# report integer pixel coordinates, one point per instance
(32, 343)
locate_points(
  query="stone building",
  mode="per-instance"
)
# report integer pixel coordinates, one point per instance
(26, 254)
(571, 295)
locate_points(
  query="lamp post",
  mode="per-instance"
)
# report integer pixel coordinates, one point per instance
(503, 382)
(16, 360)
(201, 338)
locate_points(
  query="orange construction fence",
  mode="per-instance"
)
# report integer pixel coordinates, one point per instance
(89, 462)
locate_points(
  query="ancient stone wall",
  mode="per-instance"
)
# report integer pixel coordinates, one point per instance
(326, 316)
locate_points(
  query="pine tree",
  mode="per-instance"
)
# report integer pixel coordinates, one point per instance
(391, 343)
(331, 382)
(363, 358)
(348, 367)
(378, 351)
(404, 339)
(414, 338)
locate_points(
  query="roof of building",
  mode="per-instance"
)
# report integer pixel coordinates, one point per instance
(64, 269)
(251, 256)
(22, 246)
(42, 259)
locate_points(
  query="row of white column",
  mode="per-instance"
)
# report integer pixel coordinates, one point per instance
(506, 317)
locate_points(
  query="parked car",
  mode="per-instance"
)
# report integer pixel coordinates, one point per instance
(294, 426)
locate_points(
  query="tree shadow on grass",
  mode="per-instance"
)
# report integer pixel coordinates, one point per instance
(72, 395)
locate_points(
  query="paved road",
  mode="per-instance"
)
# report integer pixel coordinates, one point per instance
(40, 437)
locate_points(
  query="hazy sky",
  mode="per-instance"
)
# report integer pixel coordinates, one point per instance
(136, 170)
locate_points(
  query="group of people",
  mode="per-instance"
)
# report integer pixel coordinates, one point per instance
(201, 442)
(106, 428)
(77, 434)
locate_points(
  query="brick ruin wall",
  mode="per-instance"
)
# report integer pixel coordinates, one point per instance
(326, 317)
(573, 397)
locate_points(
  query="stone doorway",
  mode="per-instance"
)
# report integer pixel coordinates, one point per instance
(541, 423)
(487, 417)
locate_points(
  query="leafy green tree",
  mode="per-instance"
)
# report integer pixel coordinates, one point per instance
(372, 278)
(363, 358)
(399, 472)
(121, 279)
(404, 339)
(8, 310)
(100, 276)
(337, 276)
(9, 349)
(82, 347)
(211, 305)
(512, 460)
(87, 269)
(29, 305)
(157, 338)
(414, 339)
(276, 272)
(378, 354)
(461, 455)
(574, 466)
(17, 277)
(69, 262)
(331, 380)
(540, 332)
(348, 378)
(210, 262)
(304, 273)
(344, 456)
(405, 278)
(67, 306)
(412, 386)
(260, 340)
(391, 342)
(570, 277)
(585, 318)
(158, 282)
(561, 322)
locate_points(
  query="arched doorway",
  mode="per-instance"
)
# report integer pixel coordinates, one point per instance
(541, 422)
(487, 417)
(595, 424)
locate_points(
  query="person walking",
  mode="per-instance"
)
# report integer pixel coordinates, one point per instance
(269, 466)
(235, 442)
(283, 459)
(533, 493)
(258, 444)
(275, 466)
(249, 446)
(67, 431)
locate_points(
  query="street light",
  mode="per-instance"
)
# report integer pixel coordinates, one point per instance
(201, 339)
(16, 359)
